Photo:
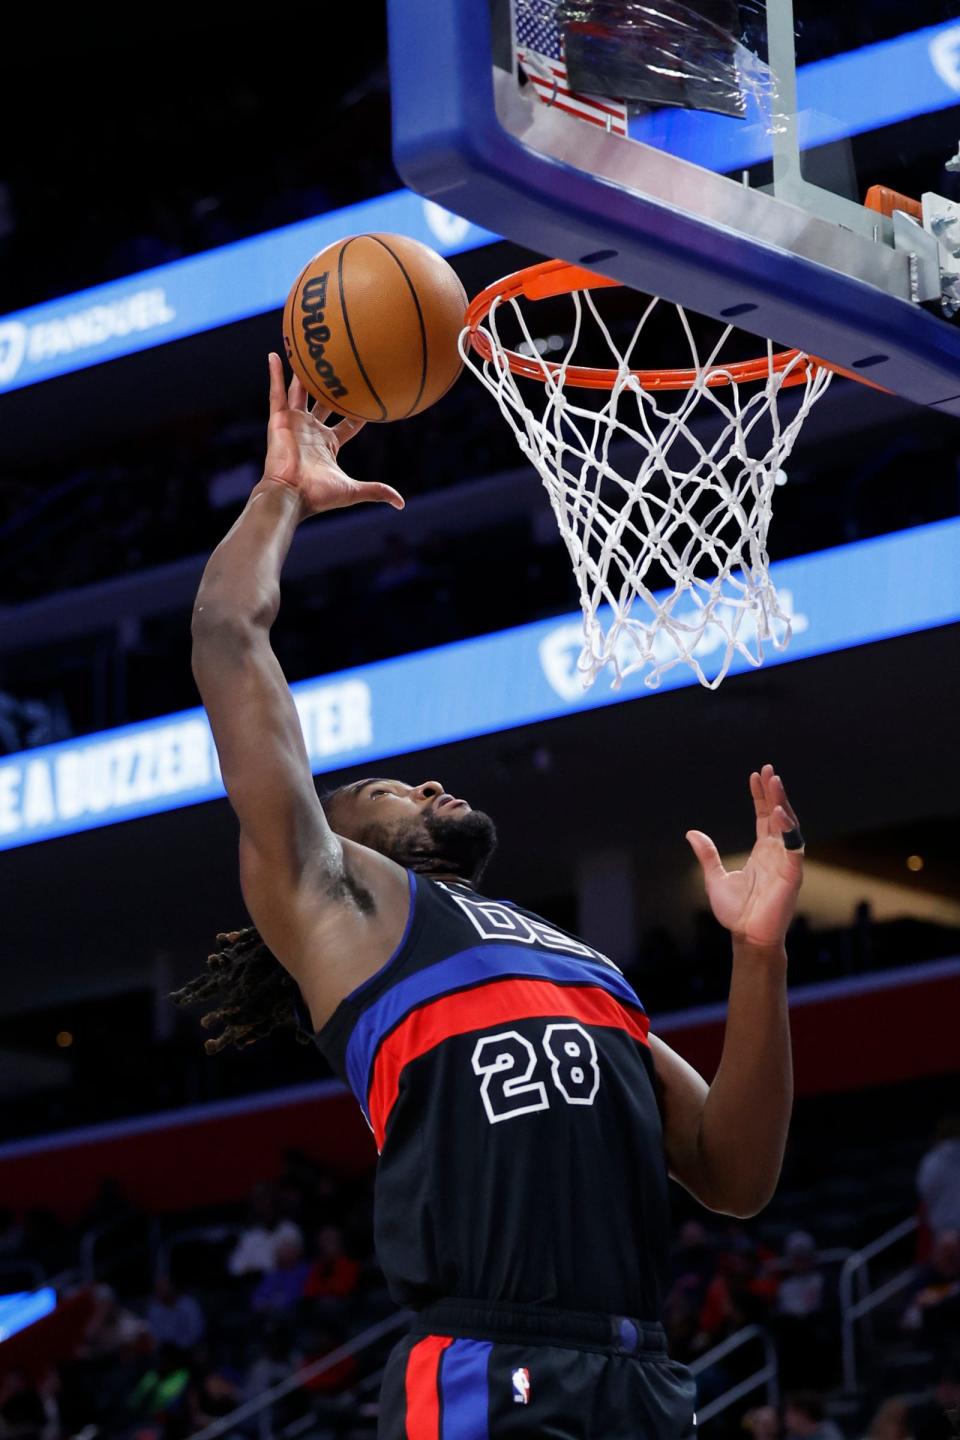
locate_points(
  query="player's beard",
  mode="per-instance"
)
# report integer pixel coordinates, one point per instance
(436, 844)
(465, 844)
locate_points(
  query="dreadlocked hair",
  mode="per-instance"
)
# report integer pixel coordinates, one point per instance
(250, 989)
(251, 993)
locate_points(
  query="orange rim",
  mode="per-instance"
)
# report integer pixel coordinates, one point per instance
(558, 277)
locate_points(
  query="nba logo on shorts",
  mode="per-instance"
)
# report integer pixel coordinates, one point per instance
(521, 1386)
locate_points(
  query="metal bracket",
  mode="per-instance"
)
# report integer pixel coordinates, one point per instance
(941, 223)
(923, 251)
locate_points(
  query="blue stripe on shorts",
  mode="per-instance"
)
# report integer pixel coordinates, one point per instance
(465, 1391)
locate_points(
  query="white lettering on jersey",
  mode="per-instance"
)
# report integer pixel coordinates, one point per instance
(495, 921)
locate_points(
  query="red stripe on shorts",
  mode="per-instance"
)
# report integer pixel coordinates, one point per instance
(423, 1387)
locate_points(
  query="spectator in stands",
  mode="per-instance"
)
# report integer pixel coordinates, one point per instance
(333, 1274)
(174, 1318)
(738, 1295)
(802, 1346)
(283, 1286)
(320, 1342)
(114, 1353)
(890, 1420)
(800, 1292)
(257, 1248)
(111, 1326)
(735, 1239)
(275, 1362)
(28, 1411)
(762, 1423)
(933, 1306)
(804, 1418)
(161, 1390)
(938, 1177)
(212, 1394)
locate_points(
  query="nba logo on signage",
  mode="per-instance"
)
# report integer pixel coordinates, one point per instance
(521, 1386)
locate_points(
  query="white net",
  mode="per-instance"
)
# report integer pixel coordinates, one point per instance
(663, 498)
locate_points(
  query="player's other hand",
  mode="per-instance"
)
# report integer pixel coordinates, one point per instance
(302, 451)
(758, 902)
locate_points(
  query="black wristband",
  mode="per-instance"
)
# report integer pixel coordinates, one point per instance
(793, 840)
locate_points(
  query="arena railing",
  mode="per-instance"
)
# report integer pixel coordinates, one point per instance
(767, 1375)
(260, 1408)
(852, 1312)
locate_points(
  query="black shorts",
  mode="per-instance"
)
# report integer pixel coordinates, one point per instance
(473, 1371)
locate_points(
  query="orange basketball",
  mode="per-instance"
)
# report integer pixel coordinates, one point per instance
(371, 326)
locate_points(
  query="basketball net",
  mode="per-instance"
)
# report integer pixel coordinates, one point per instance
(644, 492)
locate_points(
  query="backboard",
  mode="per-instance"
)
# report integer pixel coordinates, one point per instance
(713, 152)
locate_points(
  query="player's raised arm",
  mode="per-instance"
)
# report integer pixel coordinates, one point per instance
(290, 859)
(725, 1142)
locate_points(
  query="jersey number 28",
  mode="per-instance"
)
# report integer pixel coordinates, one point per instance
(507, 1063)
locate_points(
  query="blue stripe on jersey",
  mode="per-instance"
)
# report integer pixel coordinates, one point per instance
(469, 967)
(464, 1390)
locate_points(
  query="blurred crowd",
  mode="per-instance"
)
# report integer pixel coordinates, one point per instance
(239, 1300)
(243, 1299)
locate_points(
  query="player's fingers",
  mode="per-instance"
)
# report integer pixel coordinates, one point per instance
(346, 429)
(298, 394)
(320, 412)
(278, 392)
(374, 491)
(706, 852)
(761, 802)
(780, 797)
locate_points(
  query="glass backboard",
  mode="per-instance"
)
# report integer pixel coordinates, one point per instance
(718, 153)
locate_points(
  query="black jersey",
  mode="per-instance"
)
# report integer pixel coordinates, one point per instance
(504, 1069)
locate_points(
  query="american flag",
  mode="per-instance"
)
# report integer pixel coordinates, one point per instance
(540, 52)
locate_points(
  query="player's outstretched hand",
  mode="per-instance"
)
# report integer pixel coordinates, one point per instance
(302, 451)
(758, 902)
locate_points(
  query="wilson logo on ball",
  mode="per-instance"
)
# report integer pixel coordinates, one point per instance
(317, 335)
(372, 326)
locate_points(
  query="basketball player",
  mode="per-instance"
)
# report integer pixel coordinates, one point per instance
(526, 1118)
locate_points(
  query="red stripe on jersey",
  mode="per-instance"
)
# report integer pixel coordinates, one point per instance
(423, 1387)
(502, 1002)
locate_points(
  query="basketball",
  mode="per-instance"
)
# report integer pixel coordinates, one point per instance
(371, 326)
